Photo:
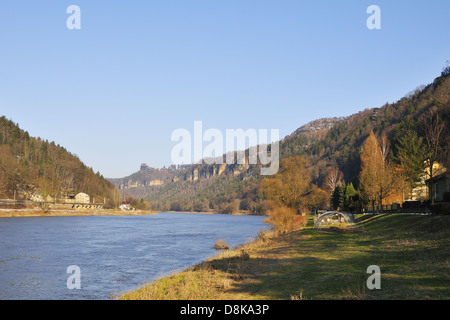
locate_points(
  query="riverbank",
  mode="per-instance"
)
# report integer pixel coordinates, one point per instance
(331, 263)
(236, 213)
(38, 212)
(10, 213)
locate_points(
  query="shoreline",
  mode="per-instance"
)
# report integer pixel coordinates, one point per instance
(37, 212)
(296, 265)
(19, 213)
(239, 213)
(210, 278)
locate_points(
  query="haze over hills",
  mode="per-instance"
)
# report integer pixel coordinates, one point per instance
(325, 142)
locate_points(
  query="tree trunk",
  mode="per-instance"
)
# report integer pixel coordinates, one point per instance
(431, 184)
(381, 200)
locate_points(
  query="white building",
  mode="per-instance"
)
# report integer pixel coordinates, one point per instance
(82, 198)
(125, 206)
(36, 197)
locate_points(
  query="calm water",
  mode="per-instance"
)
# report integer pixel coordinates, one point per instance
(114, 253)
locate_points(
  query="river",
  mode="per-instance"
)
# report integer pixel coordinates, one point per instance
(112, 254)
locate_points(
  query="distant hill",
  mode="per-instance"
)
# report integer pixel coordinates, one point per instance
(29, 165)
(325, 142)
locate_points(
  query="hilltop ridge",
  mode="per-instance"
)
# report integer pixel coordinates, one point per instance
(326, 142)
(148, 176)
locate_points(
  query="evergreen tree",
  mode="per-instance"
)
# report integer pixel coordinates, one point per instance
(350, 197)
(410, 155)
(338, 196)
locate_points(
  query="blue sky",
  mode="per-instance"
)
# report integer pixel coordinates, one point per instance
(114, 91)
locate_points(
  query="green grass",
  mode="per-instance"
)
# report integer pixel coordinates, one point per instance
(412, 252)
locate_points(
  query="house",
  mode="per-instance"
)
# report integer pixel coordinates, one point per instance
(421, 191)
(439, 187)
(36, 197)
(126, 206)
(82, 198)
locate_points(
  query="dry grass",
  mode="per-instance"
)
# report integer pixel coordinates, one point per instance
(195, 283)
(411, 251)
(216, 279)
(358, 293)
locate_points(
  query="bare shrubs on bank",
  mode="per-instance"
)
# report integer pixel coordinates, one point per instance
(45, 207)
(285, 219)
(221, 245)
(290, 195)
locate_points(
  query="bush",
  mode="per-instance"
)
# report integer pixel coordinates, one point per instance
(299, 222)
(259, 208)
(285, 219)
(229, 208)
(221, 245)
(201, 206)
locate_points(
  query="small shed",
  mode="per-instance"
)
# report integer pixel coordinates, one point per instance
(333, 217)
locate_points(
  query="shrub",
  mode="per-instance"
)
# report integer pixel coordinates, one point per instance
(285, 219)
(221, 245)
(299, 222)
(230, 208)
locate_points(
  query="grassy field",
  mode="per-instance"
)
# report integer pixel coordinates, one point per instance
(413, 253)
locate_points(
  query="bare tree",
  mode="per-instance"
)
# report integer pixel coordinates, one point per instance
(444, 156)
(433, 128)
(385, 146)
(333, 178)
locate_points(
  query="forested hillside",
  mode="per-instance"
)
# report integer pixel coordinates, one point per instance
(29, 165)
(329, 145)
(342, 144)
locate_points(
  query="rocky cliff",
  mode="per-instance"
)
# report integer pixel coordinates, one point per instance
(152, 177)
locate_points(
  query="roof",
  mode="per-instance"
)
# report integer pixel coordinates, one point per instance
(82, 194)
(323, 219)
